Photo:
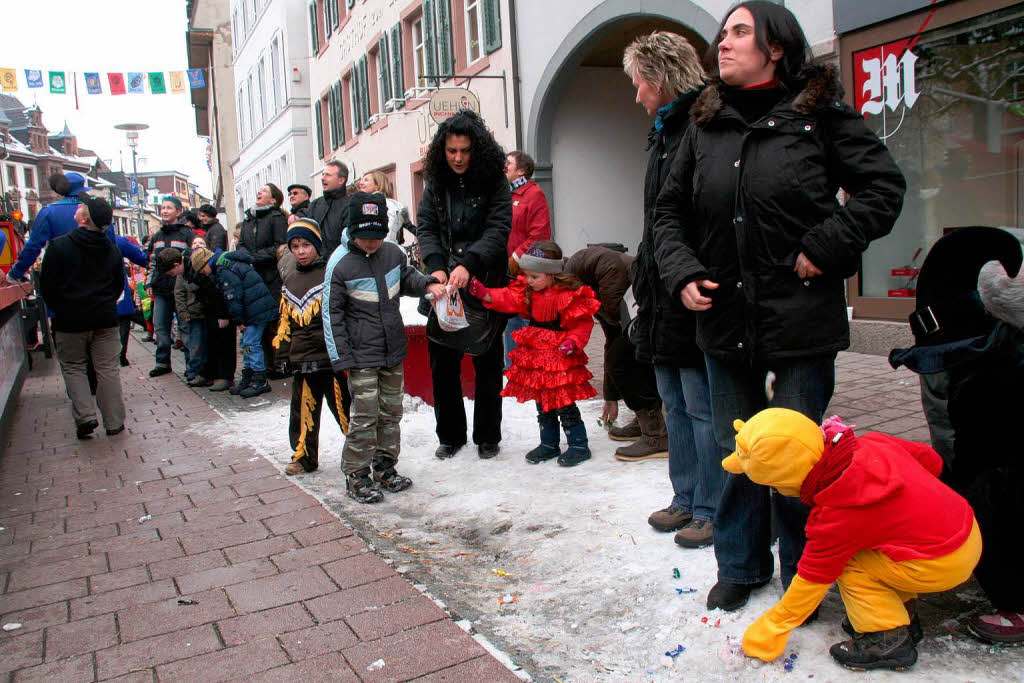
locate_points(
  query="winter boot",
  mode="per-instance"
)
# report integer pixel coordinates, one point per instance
(549, 438)
(916, 632)
(242, 382)
(627, 432)
(385, 476)
(579, 448)
(221, 385)
(653, 442)
(124, 361)
(893, 649)
(258, 385)
(359, 487)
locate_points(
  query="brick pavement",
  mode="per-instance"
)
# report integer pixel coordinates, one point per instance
(282, 589)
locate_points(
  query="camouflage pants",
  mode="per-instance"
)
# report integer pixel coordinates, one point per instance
(374, 432)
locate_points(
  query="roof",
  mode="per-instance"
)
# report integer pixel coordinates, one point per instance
(64, 134)
(4, 119)
(148, 174)
(15, 111)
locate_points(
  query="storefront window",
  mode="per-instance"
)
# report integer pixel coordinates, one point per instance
(950, 107)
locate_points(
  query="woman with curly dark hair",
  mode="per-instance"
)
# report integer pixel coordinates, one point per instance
(464, 223)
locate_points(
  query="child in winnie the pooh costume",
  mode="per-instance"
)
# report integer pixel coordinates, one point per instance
(881, 524)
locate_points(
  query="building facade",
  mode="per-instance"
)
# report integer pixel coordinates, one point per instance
(272, 94)
(375, 64)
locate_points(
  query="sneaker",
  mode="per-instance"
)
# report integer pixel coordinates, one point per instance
(916, 632)
(729, 597)
(892, 649)
(627, 432)
(1001, 627)
(258, 385)
(199, 381)
(696, 534)
(85, 430)
(221, 385)
(391, 480)
(115, 432)
(670, 518)
(159, 370)
(359, 487)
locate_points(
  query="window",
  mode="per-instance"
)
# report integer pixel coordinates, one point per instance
(382, 68)
(261, 89)
(474, 30)
(277, 74)
(338, 118)
(419, 54)
(243, 131)
(251, 105)
(337, 15)
(314, 30)
(364, 94)
(151, 183)
(248, 18)
(348, 95)
(397, 75)
(30, 177)
(237, 29)
(373, 90)
(356, 107)
(491, 25)
(12, 175)
(330, 8)
(318, 115)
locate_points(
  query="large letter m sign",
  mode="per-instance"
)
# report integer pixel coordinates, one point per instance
(886, 81)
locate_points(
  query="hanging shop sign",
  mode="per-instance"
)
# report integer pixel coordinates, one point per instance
(447, 102)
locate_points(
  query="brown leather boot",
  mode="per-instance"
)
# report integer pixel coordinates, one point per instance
(653, 441)
(627, 432)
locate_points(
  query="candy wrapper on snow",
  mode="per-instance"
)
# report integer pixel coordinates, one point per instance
(679, 649)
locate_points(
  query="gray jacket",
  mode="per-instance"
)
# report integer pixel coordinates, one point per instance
(186, 299)
(363, 325)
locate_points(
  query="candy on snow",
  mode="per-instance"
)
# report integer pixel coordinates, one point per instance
(676, 652)
(684, 591)
(675, 573)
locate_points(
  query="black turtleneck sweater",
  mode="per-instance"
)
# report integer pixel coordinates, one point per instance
(752, 103)
(331, 213)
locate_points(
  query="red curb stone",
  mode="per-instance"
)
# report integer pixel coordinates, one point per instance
(222, 508)
(413, 653)
(112, 601)
(300, 520)
(480, 669)
(318, 640)
(330, 668)
(264, 624)
(169, 504)
(231, 479)
(56, 572)
(42, 530)
(13, 602)
(75, 537)
(266, 483)
(252, 551)
(146, 553)
(152, 652)
(322, 533)
(229, 664)
(319, 554)
(80, 637)
(189, 564)
(209, 496)
(276, 495)
(173, 487)
(101, 583)
(274, 591)
(400, 616)
(21, 651)
(43, 557)
(124, 542)
(14, 552)
(222, 538)
(225, 576)
(278, 508)
(188, 467)
(165, 616)
(355, 571)
(180, 528)
(354, 600)
(70, 670)
(105, 515)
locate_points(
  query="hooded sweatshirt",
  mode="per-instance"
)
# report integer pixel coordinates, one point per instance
(54, 220)
(81, 280)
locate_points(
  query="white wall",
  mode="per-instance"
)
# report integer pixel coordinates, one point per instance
(599, 160)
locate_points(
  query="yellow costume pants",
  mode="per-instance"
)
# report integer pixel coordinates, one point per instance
(874, 587)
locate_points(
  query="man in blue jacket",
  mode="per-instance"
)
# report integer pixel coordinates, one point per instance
(54, 220)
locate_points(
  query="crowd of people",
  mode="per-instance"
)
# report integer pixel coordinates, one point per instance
(727, 360)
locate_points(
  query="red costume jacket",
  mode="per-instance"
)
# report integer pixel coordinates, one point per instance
(540, 372)
(531, 219)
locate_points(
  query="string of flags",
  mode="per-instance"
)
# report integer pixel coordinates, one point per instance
(117, 83)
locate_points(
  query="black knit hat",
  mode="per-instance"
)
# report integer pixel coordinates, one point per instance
(100, 212)
(367, 216)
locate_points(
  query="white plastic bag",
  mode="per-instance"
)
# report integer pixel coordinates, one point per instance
(451, 313)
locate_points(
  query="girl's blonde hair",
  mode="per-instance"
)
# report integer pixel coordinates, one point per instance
(666, 61)
(383, 183)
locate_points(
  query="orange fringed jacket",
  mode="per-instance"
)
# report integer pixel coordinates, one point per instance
(540, 372)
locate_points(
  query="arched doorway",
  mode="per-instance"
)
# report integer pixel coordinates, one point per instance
(588, 134)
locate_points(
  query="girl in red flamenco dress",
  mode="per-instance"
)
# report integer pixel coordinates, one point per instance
(548, 364)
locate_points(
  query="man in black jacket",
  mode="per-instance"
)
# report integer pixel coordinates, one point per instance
(465, 217)
(331, 210)
(160, 286)
(82, 279)
(216, 235)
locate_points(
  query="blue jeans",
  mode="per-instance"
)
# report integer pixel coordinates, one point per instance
(195, 347)
(743, 526)
(516, 323)
(694, 461)
(252, 352)
(163, 311)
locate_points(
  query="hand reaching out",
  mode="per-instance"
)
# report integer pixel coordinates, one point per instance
(693, 299)
(436, 291)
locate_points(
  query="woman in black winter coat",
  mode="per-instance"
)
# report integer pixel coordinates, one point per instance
(750, 235)
(464, 221)
(264, 229)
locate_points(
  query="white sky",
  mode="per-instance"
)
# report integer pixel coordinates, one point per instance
(106, 36)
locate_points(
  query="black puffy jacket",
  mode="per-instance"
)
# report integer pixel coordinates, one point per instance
(263, 231)
(743, 200)
(664, 330)
(245, 294)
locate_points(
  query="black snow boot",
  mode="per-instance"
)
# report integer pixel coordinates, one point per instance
(579, 447)
(258, 385)
(916, 631)
(242, 382)
(893, 649)
(549, 438)
(386, 477)
(359, 486)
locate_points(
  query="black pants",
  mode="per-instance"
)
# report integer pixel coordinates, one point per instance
(310, 391)
(633, 380)
(221, 355)
(124, 326)
(569, 415)
(449, 411)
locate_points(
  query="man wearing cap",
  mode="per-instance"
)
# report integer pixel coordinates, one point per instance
(298, 197)
(81, 280)
(54, 220)
(160, 286)
(216, 235)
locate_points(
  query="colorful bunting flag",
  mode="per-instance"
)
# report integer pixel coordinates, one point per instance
(196, 78)
(92, 83)
(177, 81)
(58, 86)
(116, 84)
(156, 83)
(136, 83)
(8, 80)
(34, 77)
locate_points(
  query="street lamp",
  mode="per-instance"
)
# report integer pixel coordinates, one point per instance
(132, 133)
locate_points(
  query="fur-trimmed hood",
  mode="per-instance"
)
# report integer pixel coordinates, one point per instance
(821, 89)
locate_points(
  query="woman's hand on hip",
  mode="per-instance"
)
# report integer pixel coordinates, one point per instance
(693, 299)
(804, 268)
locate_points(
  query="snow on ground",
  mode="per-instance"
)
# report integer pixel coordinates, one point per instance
(587, 585)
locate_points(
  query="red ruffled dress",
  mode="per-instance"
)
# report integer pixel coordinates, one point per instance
(539, 371)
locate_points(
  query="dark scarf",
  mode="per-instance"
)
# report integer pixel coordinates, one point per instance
(837, 457)
(753, 103)
(331, 195)
(301, 206)
(518, 182)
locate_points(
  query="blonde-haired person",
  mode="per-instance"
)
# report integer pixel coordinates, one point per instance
(668, 77)
(378, 181)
